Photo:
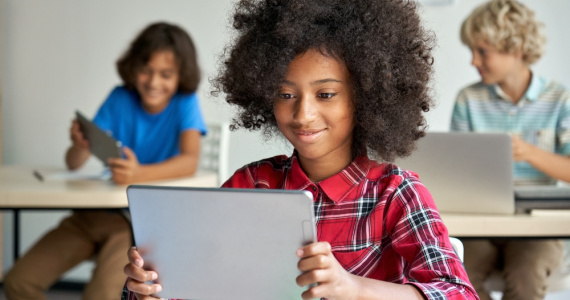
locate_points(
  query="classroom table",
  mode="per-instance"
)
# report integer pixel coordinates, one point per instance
(537, 224)
(23, 189)
(20, 189)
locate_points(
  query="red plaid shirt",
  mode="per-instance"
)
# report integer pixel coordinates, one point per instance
(380, 220)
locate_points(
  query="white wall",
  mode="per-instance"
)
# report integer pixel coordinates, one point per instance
(57, 56)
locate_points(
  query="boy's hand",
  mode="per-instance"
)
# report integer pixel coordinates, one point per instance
(320, 266)
(522, 151)
(126, 170)
(137, 277)
(77, 137)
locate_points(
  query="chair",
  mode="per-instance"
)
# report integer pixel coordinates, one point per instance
(215, 150)
(457, 247)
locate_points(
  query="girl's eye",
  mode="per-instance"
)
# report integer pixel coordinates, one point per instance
(326, 95)
(482, 52)
(286, 96)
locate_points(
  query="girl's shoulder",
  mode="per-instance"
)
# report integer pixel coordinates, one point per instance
(390, 177)
(386, 170)
(265, 173)
(272, 165)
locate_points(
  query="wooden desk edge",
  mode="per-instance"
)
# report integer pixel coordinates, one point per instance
(523, 225)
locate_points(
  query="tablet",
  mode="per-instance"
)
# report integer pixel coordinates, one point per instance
(102, 145)
(208, 243)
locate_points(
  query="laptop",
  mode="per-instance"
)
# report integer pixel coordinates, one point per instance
(465, 172)
(472, 173)
(209, 243)
(542, 197)
(102, 145)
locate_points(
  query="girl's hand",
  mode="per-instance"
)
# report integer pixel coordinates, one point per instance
(137, 277)
(319, 266)
(77, 137)
(126, 170)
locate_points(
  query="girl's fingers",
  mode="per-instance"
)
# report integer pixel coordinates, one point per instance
(314, 276)
(143, 288)
(314, 249)
(319, 261)
(138, 273)
(135, 257)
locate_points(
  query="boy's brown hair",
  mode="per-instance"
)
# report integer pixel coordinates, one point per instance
(159, 37)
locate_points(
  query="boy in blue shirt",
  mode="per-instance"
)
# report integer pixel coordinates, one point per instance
(156, 116)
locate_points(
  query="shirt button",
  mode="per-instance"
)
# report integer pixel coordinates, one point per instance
(314, 188)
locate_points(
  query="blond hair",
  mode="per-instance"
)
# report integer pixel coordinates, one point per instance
(507, 25)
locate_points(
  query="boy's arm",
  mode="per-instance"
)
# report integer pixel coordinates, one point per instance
(554, 165)
(75, 157)
(126, 171)
(78, 152)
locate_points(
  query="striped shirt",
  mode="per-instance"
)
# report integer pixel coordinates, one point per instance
(380, 221)
(541, 117)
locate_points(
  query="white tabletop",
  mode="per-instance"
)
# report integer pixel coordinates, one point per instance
(538, 224)
(19, 188)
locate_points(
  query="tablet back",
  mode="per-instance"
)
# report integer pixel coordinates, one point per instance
(101, 144)
(222, 243)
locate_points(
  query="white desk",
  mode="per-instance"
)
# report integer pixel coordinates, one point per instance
(20, 189)
(518, 225)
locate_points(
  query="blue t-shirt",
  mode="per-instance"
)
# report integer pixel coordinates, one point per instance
(153, 137)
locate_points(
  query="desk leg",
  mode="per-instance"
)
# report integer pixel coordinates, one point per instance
(16, 238)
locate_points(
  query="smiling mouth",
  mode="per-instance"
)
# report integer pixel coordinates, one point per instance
(154, 94)
(308, 132)
(308, 136)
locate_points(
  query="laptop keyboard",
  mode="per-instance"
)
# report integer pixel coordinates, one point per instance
(542, 192)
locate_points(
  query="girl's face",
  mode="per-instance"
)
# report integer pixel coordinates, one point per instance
(314, 109)
(158, 81)
(493, 66)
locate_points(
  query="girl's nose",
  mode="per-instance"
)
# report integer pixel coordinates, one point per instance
(306, 109)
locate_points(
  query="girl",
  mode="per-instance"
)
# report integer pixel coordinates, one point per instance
(156, 115)
(339, 79)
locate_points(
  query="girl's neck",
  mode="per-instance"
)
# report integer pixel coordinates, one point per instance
(325, 167)
(516, 84)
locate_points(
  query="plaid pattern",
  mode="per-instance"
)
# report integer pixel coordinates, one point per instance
(541, 118)
(380, 220)
(127, 295)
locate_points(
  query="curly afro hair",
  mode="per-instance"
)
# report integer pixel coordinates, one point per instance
(385, 48)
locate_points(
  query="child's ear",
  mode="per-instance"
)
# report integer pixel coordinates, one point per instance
(519, 53)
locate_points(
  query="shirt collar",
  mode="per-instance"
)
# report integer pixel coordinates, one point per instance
(536, 86)
(343, 185)
(534, 89)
